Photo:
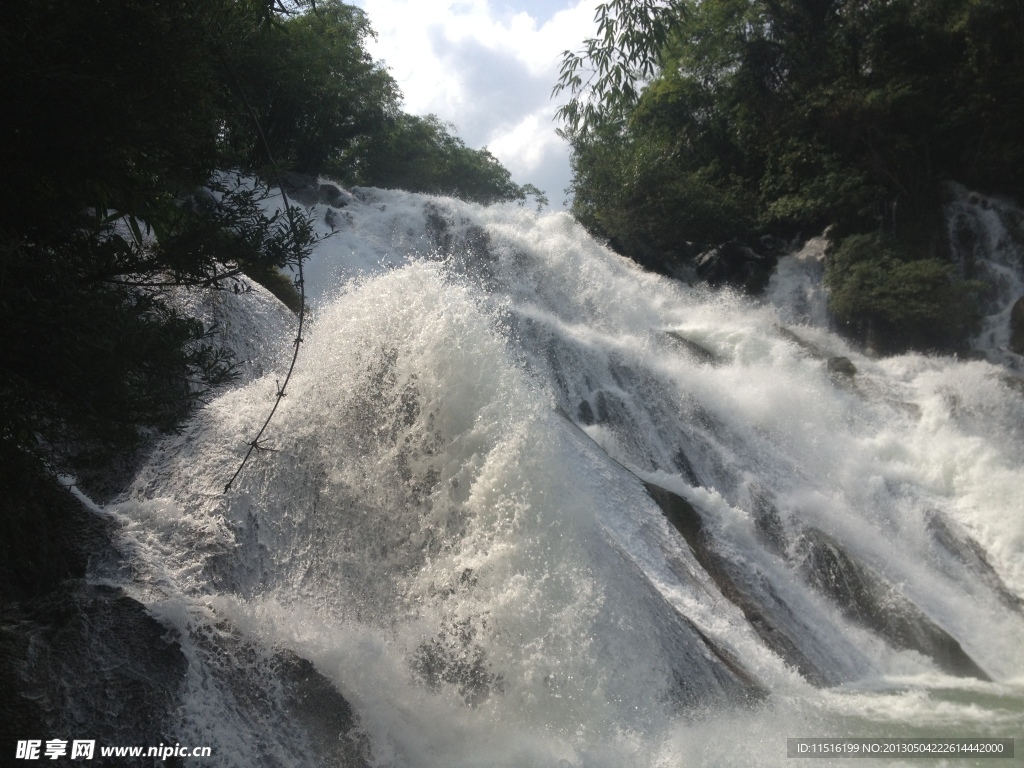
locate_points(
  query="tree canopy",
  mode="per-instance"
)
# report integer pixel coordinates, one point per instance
(119, 118)
(703, 121)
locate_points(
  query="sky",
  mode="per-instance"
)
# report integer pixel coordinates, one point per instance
(488, 67)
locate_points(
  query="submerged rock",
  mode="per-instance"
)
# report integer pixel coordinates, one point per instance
(865, 597)
(698, 352)
(756, 599)
(332, 219)
(801, 342)
(969, 553)
(585, 414)
(274, 700)
(1015, 383)
(841, 367)
(684, 466)
(453, 657)
(767, 521)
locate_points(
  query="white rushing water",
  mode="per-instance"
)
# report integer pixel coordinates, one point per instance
(986, 235)
(453, 525)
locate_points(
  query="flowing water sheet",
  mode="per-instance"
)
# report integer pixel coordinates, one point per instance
(528, 505)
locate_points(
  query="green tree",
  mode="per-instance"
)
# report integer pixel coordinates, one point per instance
(113, 114)
(892, 302)
(421, 154)
(785, 116)
(313, 87)
(326, 107)
(119, 118)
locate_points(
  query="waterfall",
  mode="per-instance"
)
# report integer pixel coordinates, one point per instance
(986, 235)
(528, 505)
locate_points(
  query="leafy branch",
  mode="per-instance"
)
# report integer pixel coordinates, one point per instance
(603, 77)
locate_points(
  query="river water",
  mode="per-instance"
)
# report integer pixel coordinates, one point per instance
(528, 505)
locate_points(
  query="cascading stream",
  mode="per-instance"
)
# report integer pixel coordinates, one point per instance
(985, 237)
(529, 505)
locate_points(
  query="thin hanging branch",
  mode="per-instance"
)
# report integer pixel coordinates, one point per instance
(254, 444)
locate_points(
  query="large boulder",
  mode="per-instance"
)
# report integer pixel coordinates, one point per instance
(301, 188)
(738, 265)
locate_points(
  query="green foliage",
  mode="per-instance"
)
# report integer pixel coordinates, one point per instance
(118, 118)
(313, 87)
(630, 34)
(827, 110)
(649, 201)
(114, 116)
(90, 94)
(94, 355)
(421, 154)
(326, 107)
(797, 113)
(896, 301)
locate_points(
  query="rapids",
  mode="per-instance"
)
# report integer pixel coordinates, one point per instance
(528, 505)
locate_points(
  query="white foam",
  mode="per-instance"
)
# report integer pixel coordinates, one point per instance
(424, 482)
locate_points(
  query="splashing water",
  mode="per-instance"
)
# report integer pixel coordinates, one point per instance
(528, 505)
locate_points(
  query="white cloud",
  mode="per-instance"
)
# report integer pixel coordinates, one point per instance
(488, 66)
(526, 144)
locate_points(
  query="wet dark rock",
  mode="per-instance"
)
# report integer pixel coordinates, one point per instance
(301, 188)
(75, 658)
(703, 671)
(811, 349)
(755, 690)
(87, 661)
(92, 663)
(585, 414)
(327, 717)
(699, 353)
(682, 514)
(283, 699)
(610, 408)
(767, 520)
(305, 189)
(333, 195)
(737, 265)
(969, 553)
(1017, 327)
(757, 600)
(332, 219)
(841, 367)
(866, 598)
(78, 659)
(685, 467)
